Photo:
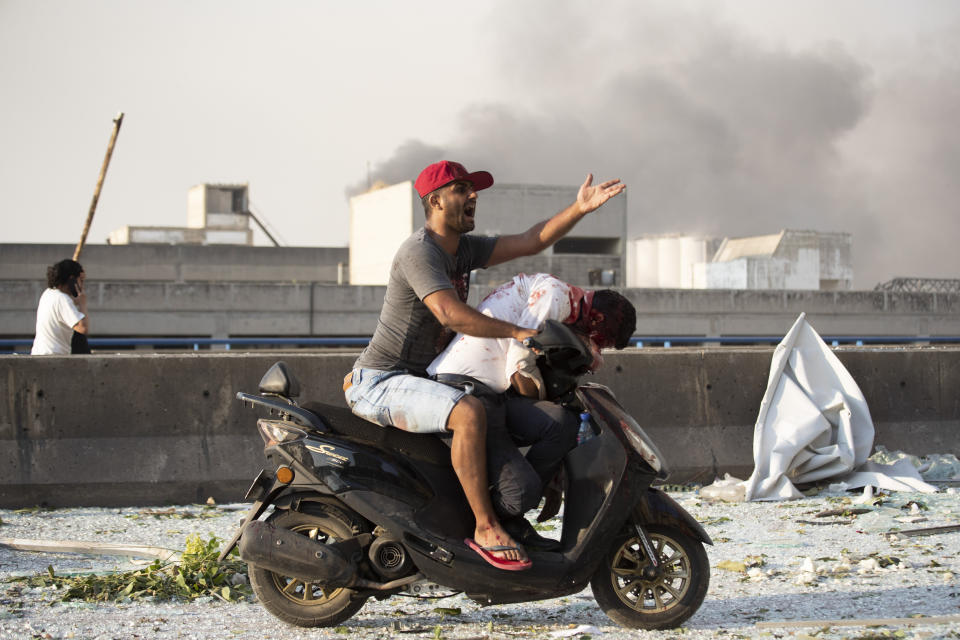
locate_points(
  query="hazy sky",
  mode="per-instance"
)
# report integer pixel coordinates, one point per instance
(723, 118)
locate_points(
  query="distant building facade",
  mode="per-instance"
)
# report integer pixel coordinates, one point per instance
(789, 259)
(593, 253)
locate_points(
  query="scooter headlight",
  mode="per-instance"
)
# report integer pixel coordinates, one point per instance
(600, 401)
(274, 432)
(646, 449)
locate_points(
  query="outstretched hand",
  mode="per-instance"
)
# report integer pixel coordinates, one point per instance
(591, 198)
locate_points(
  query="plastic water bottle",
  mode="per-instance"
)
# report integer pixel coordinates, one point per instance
(586, 431)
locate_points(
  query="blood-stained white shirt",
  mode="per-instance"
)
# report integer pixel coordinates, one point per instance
(526, 301)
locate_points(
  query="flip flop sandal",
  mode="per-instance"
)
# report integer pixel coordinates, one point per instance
(499, 563)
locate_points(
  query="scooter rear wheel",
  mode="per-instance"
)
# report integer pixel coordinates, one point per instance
(307, 604)
(634, 593)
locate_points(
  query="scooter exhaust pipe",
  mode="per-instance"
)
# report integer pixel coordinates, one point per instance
(288, 553)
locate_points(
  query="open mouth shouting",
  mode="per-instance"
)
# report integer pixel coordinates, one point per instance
(469, 215)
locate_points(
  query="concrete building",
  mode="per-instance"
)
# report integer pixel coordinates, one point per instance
(216, 214)
(178, 263)
(790, 259)
(593, 253)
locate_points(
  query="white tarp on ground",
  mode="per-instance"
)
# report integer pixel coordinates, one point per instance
(814, 425)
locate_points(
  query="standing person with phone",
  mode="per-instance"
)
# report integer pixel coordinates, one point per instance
(62, 310)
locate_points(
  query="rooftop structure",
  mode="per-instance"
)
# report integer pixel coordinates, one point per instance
(216, 214)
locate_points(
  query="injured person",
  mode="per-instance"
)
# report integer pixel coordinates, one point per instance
(504, 377)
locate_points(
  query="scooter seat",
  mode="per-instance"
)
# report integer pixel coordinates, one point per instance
(418, 446)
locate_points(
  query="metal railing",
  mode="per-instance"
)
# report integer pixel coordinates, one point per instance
(23, 345)
(834, 341)
(195, 343)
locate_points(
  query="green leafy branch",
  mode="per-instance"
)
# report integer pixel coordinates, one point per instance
(197, 574)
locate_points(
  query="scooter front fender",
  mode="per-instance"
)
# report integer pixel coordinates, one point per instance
(656, 507)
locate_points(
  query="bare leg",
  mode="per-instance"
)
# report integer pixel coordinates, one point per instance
(468, 454)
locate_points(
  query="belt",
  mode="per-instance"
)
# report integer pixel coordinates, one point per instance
(465, 382)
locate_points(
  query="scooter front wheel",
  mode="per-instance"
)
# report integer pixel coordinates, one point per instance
(635, 593)
(308, 604)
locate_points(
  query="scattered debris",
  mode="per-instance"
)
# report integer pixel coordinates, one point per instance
(728, 489)
(868, 497)
(580, 629)
(915, 507)
(932, 468)
(756, 561)
(732, 565)
(845, 515)
(173, 512)
(863, 622)
(841, 512)
(929, 531)
(677, 488)
(822, 522)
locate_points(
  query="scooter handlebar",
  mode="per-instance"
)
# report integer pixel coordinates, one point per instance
(533, 345)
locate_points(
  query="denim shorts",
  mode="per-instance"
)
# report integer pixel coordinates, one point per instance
(402, 400)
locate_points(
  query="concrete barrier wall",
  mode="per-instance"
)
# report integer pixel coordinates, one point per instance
(156, 429)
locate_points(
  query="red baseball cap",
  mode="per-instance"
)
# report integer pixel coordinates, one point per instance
(444, 172)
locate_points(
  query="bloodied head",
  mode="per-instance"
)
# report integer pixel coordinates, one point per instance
(607, 318)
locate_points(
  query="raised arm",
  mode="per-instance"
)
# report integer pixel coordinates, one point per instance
(590, 197)
(462, 318)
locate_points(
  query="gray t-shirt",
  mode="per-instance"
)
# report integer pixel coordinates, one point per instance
(408, 336)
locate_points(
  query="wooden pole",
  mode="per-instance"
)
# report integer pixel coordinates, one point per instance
(96, 192)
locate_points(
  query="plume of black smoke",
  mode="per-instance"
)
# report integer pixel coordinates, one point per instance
(712, 132)
(403, 165)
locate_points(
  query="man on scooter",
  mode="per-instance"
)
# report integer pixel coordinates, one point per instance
(507, 380)
(425, 303)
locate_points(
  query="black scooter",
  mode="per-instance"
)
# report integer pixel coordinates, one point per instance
(362, 511)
